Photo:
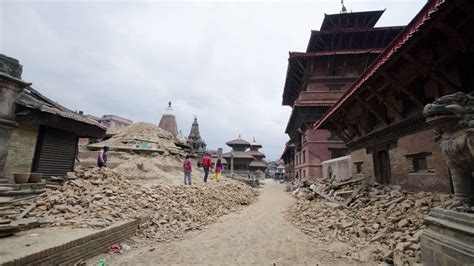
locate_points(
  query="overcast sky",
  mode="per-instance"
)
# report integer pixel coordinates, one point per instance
(223, 61)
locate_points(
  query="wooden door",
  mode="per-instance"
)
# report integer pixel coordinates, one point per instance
(382, 166)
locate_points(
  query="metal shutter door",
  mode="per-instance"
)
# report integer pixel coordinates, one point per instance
(56, 152)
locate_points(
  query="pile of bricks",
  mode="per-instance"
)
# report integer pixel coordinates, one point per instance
(363, 215)
(97, 197)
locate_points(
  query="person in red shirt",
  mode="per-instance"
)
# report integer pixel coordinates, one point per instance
(206, 164)
(187, 170)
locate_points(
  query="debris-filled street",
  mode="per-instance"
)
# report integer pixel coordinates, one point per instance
(258, 234)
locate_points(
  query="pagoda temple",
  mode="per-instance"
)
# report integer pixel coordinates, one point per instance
(168, 121)
(336, 56)
(244, 157)
(194, 138)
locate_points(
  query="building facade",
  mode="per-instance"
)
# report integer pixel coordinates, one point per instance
(42, 135)
(380, 116)
(336, 56)
(245, 157)
(111, 122)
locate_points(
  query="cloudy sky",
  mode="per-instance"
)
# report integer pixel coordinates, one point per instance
(223, 61)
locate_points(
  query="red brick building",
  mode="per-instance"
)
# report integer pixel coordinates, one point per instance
(336, 56)
(380, 115)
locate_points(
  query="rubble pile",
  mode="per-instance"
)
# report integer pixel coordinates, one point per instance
(98, 197)
(162, 169)
(140, 151)
(363, 215)
(141, 136)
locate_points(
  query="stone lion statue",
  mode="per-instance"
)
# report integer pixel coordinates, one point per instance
(453, 119)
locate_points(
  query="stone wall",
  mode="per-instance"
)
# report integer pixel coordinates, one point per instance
(22, 149)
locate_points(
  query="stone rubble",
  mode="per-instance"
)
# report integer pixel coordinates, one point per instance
(382, 217)
(138, 134)
(98, 197)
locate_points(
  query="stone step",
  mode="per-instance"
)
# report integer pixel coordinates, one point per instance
(25, 186)
(4, 181)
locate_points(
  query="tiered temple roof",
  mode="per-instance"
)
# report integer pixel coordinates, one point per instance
(344, 34)
(246, 151)
(336, 55)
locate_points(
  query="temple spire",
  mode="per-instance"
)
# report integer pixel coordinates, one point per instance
(195, 137)
(344, 9)
(168, 121)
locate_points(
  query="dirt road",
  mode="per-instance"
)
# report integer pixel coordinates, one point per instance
(259, 234)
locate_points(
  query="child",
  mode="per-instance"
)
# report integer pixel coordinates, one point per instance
(187, 170)
(217, 172)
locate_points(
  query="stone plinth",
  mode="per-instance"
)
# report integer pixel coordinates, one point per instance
(449, 238)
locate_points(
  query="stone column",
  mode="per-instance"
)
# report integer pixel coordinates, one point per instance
(10, 85)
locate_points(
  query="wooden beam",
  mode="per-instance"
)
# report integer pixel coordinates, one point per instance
(404, 89)
(362, 129)
(451, 33)
(374, 112)
(392, 107)
(294, 75)
(343, 134)
(429, 69)
(349, 127)
(301, 68)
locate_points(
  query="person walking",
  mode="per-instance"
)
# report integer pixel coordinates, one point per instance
(187, 170)
(218, 170)
(102, 157)
(206, 164)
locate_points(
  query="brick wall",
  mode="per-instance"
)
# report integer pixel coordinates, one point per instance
(436, 178)
(361, 156)
(79, 249)
(316, 149)
(22, 149)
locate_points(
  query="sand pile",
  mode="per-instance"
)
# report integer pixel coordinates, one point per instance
(365, 215)
(98, 197)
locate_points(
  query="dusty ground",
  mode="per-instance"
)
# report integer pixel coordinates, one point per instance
(259, 234)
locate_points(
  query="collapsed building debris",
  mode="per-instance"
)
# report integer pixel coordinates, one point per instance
(98, 197)
(140, 151)
(364, 214)
(139, 137)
